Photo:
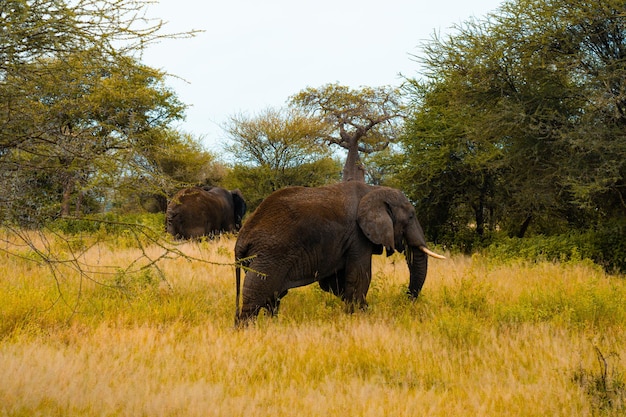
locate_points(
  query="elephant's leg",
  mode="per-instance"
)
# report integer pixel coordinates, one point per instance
(357, 281)
(335, 283)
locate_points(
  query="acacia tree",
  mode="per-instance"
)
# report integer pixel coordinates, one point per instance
(77, 108)
(360, 121)
(169, 161)
(275, 149)
(79, 116)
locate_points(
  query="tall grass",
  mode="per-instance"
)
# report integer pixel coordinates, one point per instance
(483, 339)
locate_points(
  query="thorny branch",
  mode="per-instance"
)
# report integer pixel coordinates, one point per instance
(51, 249)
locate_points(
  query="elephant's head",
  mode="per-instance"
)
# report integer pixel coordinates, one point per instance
(387, 218)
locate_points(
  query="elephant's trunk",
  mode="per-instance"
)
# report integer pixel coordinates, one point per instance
(418, 265)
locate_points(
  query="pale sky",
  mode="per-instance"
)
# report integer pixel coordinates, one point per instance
(255, 54)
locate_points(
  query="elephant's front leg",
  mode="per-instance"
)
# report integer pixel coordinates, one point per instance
(357, 282)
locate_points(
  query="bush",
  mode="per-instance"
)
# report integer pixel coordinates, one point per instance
(605, 246)
(609, 246)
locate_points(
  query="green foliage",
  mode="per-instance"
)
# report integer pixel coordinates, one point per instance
(604, 246)
(278, 139)
(518, 124)
(171, 160)
(183, 159)
(81, 115)
(609, 245)
(81, 138)
(562, 248)
(256, 183)
(277, 149)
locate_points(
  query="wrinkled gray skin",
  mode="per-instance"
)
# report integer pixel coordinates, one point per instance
(204, 211)
(328, 234)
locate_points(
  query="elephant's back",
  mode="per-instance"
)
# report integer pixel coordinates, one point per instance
(266, 221)
(292, 204)
(297, 215)
(186, 196)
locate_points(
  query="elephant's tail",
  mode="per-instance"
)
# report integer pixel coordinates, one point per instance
(238, 291)
(238, 284)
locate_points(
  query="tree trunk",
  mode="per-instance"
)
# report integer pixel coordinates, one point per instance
(479, 215)
(524, 226)
(79, 204)
(68, 189)
(353, 170)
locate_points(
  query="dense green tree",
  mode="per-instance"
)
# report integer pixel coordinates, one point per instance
(257, 182)
(518, 119)
(83, 126)
(78, 111)
(361, 120)
(86, 124)
(449, 170)
(170, 161)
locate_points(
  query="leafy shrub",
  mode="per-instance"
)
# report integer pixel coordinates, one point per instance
(606, 247)
(540, 248)
(609, 246)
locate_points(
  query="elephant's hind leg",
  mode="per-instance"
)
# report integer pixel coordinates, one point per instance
(259, 292)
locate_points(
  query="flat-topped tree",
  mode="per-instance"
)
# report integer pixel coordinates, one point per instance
(360, 120)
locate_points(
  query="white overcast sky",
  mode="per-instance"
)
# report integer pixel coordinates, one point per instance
(255, 54)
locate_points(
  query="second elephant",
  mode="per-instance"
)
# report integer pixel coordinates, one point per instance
(204, 211)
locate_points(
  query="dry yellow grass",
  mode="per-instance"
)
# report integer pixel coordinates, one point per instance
(484, 339)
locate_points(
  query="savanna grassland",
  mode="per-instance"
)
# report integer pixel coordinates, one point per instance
(485, 338)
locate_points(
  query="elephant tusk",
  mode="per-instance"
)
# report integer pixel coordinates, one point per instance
(431, 253)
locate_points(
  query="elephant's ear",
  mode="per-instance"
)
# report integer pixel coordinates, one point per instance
(239, 206)
(374, 218)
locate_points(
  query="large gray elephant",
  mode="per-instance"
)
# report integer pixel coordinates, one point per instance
(204, 211)
(328, 234)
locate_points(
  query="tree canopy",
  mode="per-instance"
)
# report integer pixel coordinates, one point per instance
(518, 120)
(362, 120)
(278, 148)
(79, 112)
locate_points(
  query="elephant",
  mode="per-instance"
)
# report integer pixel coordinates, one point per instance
(204, 211)
(328, 234)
